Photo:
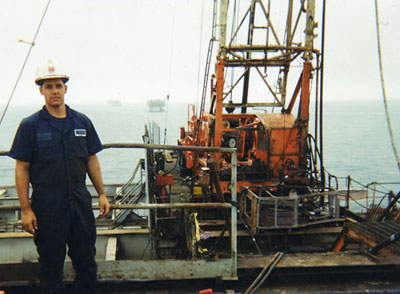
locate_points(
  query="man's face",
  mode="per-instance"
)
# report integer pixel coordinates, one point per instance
(53, 91)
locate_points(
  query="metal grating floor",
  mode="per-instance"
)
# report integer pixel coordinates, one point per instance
(374, 232)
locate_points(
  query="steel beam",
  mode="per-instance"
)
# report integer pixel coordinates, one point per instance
(130, 270)
(149, 206)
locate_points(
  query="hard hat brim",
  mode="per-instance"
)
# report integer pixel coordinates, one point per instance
(64, 77)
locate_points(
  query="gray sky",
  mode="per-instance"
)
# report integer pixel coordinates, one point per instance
(134, 50)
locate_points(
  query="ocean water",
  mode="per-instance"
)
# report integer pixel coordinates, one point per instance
(114, 124)
(356, 138)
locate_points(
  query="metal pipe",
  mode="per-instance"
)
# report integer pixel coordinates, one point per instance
(390, 206)
(316, 112)
(246, 80)
(348, 192)
(149, 206)
(223, 15)
(289, 24)
(234, 213)
(309, 39)
(215, 181)
(147, 184)
(334, 192)
(321, 95)
(169, 147)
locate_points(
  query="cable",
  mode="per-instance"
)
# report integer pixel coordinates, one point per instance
(378, 39)
(171, 46)
(253, 238)
(358, 203)
(26, 59)
(199, 60)
(366, 187)
(264, 273)
(170, 68)
(166, 121)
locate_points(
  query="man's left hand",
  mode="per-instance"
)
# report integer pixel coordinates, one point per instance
(104, 205)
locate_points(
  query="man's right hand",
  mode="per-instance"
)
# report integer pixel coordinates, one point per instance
(28, 218)
(29, 221)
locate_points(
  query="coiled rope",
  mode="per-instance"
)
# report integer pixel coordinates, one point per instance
(378, 37)
(26, 60)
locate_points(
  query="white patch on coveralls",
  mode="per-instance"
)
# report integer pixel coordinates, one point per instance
(80, 132)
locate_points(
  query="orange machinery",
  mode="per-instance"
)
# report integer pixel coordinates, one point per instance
(276, 155)
(271, 147)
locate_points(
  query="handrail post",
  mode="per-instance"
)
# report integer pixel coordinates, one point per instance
(367, 197)
(234, 213)
(348, 192)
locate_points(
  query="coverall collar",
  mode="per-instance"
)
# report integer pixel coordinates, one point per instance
(44, 114)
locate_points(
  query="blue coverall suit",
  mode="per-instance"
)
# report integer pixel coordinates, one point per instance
(58, 155)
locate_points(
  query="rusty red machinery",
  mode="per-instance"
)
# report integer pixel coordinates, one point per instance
(275, 150)
(162, 182)
(271, 147)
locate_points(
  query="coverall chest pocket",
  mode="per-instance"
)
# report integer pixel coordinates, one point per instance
(79, 147)
(46, 147)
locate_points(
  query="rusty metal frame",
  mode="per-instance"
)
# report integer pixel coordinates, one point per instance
(225, 268)
(234, 55)
(256, 203)
(266, 14)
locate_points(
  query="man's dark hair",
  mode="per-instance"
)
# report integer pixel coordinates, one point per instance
(41, 82)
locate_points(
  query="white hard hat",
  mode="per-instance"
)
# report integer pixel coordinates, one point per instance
(50, 70)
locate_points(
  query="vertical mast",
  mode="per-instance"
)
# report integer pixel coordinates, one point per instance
(289, 37)
(219, 69)
(248, 56)
(309, 45)
(303, 116)
(223, 16)
(289, 24)
(309, 39)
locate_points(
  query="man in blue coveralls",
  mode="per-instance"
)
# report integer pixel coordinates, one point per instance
(54, 148)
